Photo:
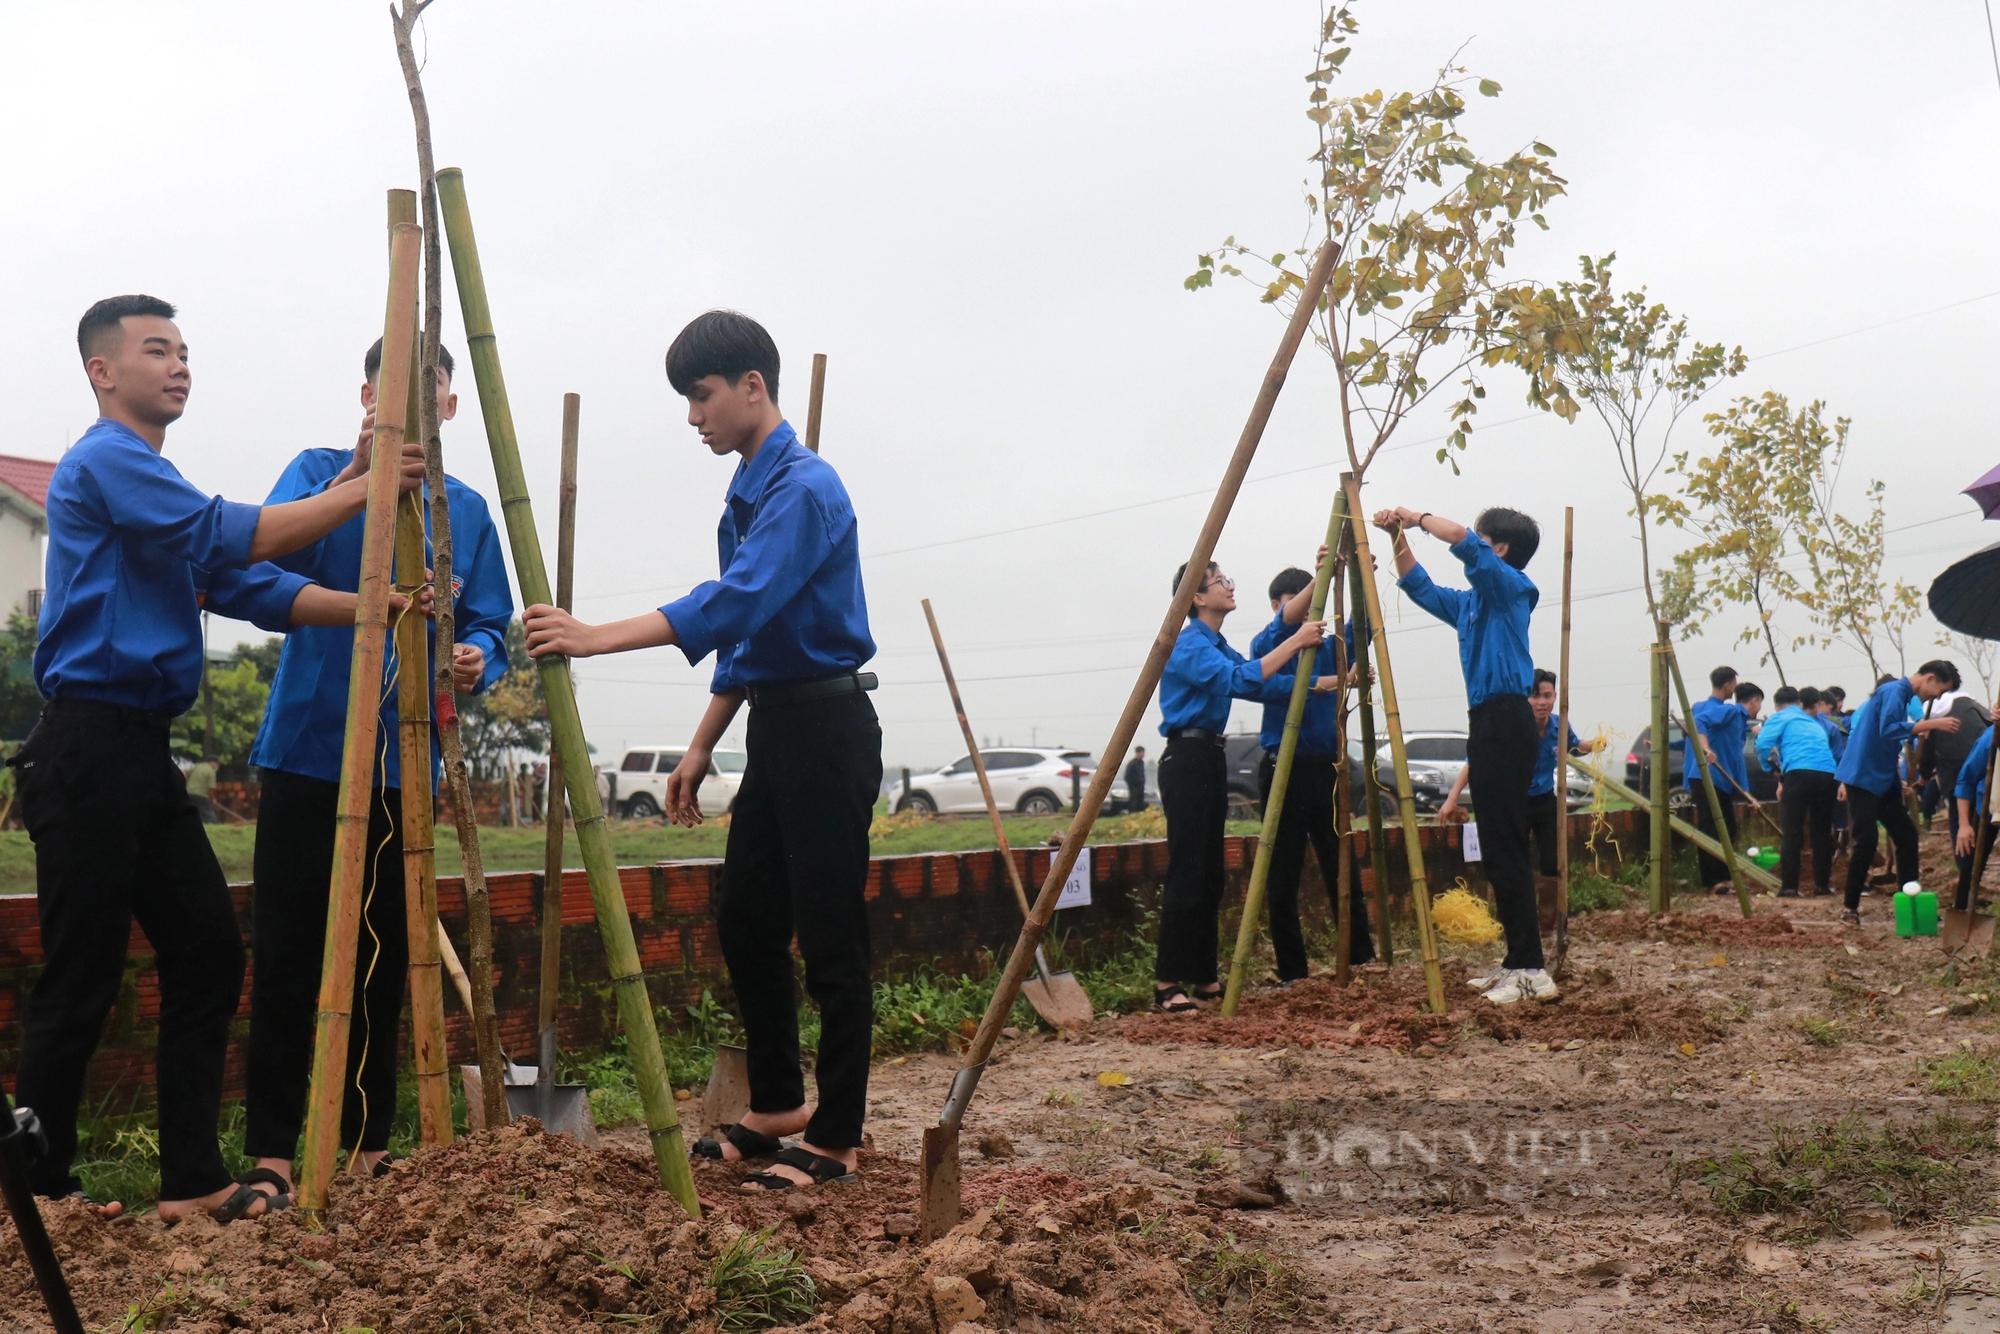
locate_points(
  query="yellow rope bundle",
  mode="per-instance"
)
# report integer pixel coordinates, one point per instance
(1461, 917)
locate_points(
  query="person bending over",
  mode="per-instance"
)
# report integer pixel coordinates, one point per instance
(1869, 773)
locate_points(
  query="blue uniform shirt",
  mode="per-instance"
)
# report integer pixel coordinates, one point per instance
(1798, 741)
(1836, 736)
(1492, 619)
(1544, 782)
(1726, 726)
(1203, 674)
(789, 605)
(1875, 738)
(305, 721)
(1972, 774)
(1319, 729)
(135, 551)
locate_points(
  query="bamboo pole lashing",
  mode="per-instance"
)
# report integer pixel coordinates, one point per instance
(1562, 748)
(336, 996)
(635, 1008)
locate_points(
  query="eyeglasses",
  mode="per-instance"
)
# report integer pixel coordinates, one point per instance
(1225, 583)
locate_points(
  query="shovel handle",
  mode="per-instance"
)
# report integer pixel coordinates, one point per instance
(455, 968)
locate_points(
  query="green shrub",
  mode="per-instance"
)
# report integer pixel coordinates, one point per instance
(760, 1286)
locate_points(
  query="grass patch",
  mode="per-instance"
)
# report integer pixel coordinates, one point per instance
(759, 1285)
(1820, 1172)
(1823, 1032)
(1591, 892)
(1247, 1288)
(1961, 1075)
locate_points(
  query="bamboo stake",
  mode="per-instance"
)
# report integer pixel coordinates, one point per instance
(413, 732)
(1679, 826)
(553, 804)
(1346, 871)
(1984, 814)
(1707, 776)
(1659, 879)
(944, 1136)
(628, 982)
(1371, 781)
(1406, 801)
(357, 764)
(1562, 748)
(813, 403)
(1281, 773)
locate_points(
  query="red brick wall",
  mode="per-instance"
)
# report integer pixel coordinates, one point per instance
(942, 911)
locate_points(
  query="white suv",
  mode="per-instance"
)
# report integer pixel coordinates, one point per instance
(1031, 781)
(642, 781)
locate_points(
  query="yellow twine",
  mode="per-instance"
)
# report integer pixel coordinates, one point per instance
(1461, 917)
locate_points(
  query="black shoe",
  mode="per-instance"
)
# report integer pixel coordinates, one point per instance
(1788, 893)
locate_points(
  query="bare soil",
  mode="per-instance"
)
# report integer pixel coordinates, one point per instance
(1331, 1158)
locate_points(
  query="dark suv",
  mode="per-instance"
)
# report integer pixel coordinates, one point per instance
(1243, 753)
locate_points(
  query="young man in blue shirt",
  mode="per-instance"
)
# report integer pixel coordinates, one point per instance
(1502, 739)
(1723, 722)
(298, 751)
(1203, 675)
(1869, 773)
(1795, 745)
(1310, 791)
(788, 625)
(1968, 793)
(134, 553)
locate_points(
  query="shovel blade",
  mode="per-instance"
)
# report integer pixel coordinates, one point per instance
(728, 1095)
(1061, 1001)
(938, 1208)
(569, 1109)
(1966, 934)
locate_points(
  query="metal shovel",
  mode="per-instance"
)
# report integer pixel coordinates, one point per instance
(1966, 931)
(1057, 997)
(568, 1108)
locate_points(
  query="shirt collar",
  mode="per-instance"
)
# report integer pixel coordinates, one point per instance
(748, 484)
(1204, 629)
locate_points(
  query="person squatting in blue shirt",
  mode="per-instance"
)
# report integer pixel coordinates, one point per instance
(298, 752)
(788, 625)
(1545, 808)
(1969, 793)
(1502, 737)
(1869, 773)
(1203, 676)
(135, 553)
(1310, 791)
(1797, 746)
(1723, 722)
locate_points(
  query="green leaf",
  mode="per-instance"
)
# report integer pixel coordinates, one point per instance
(1488, 88)
(1199, 279)
(1543, 149)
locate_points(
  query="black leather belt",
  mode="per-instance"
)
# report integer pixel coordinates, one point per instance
(798, 692)
(1195, 734)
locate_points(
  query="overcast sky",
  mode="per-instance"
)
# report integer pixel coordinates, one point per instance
(983, 216)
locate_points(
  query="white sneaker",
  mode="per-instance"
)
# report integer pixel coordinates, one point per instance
(1486, 983)
(1524, 984)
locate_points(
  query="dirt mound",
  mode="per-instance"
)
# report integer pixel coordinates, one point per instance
(1765, 930)
(513, 1230)
(1391, 1009)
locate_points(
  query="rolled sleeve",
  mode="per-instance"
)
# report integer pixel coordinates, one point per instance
(146, 495)
(261, 594)
(788, 540)
(485, 602)
(690, 623)
(1443, 603)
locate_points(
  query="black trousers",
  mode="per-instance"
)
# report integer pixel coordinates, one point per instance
(1867, 808)
(797, 864)
(294, 874)
(1714, 870)
(1501, 745)
(1194, 795)
(1308, 818)
(117, 840)
(1963, 899)
(1545, 826)
(1806, 807)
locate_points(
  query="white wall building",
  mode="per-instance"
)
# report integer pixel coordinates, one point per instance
(24, 523)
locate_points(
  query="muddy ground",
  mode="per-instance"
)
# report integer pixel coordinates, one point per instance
(1329, 1159)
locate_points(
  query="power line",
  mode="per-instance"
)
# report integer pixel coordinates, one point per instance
(1991, 44)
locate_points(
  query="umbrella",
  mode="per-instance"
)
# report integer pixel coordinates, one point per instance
(1986, 493)
(1966, 597)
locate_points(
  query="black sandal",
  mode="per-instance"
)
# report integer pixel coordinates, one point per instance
(1173, 1000)
(1211, 992)
(749, 1143)
(384, 1165)
(246, 1194)
(823, 1170)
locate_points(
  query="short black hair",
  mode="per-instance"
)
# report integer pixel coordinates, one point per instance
(371, 365)
(1943, 670)
(1287, 583)
(1521, 534)
(105, 316)
(1721, 677)
(726, 343)
(1541, 674)
(1748, 691)
(1809, 696)
(1181, 574)
(1836, 694)
(1886, 677)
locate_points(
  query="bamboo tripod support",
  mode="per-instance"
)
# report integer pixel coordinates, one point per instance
(1281, 774)
(357, 762)
(814, 401)
(555, 805)
(1371, 780)
(1406, 801)
(1659, 877)
(1707, 774)
(1562, 748)
(1349, 871)
(939, 1207)
(614, 922)
(413, 732)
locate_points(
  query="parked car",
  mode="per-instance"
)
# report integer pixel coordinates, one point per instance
(1639, 770)
(1244, 752)
(1435, 759)
(1030, 780)
(640, 791)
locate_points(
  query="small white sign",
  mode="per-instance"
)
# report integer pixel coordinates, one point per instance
(1076, 889)
(1471, 836)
